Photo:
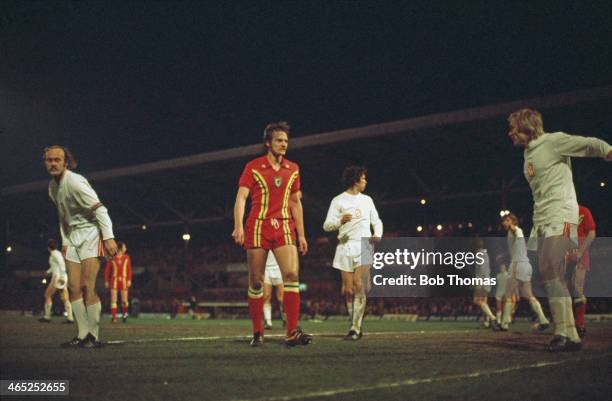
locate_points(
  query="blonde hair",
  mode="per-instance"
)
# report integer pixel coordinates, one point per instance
(527, 121)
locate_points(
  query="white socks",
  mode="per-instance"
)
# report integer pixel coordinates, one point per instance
(487, 311)
(93, 319)
(359, 304)
(68, 309)
(560, 303)
(80, 315)
(349, 309)
(267, 311)
(537, 308)
(48, 311)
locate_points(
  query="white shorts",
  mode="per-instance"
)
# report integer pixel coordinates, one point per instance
(500, 291)
(85, 243)
(273, 275)
(522, 271)
(348, 256)
(551, 230)
(60, 282)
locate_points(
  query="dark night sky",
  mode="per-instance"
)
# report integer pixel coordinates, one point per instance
(130, 82)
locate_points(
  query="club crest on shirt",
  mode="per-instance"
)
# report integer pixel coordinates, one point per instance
(530, 170)
(357, 213)
(278, 181)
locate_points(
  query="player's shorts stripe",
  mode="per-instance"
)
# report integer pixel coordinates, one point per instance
(265, 193)
(257, 234)
(287, 232)
(292, 287)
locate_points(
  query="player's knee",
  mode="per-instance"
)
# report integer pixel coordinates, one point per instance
(347, 290)
(291, 277)
(358, 289)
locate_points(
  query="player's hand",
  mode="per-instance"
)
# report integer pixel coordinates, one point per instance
(238, 235)
(129, 283)
(64, 250)
(111, 247)
(609, 156)
(346, 218)
(303, 245)
(106, 284)
(61, 282)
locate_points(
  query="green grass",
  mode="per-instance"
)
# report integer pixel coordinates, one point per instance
(145, 360)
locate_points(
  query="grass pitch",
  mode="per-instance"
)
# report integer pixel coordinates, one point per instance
(161, 359)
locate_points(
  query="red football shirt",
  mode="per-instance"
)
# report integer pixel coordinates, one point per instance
(586, 223)
(270, 190)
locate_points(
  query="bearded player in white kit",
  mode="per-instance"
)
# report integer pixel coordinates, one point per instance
(352, 213)
(547, 168)
(87, 231)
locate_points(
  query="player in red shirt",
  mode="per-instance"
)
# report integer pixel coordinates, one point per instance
(273, 183)
(118, 277)
(586, 235)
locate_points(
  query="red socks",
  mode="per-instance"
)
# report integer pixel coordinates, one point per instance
(291, 302)
(256, 301)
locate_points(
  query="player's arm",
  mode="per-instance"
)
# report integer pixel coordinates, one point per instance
(239, 206)
(586, 244)
(376, 222)
(580, 146)
(87, 198)
(333, 219)
(61, 226)
(297, 212)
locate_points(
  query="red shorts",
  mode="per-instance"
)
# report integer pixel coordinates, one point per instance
(269, 233)
(118, 284)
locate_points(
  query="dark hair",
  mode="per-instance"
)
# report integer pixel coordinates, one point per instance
(352, 175)
(68, 157)
(120, 245)
(277, 126)
(512, 217)
(52, 244)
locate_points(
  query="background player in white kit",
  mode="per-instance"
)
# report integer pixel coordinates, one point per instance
(352, 213)
(520, 274)
(58, 282)
(547, 169)
(500, 289)
(83, 220)
(481, 292)
(272, 278)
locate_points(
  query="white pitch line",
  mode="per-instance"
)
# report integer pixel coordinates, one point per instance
(213, 338)
(412, 382)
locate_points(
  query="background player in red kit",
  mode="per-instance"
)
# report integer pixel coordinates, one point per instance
(273, 183)
(118, 277)
(586, 235)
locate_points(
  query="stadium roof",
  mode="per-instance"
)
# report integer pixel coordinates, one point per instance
(461, 162)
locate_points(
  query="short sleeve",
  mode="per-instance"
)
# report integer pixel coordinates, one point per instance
(297, 184)
(246, 178)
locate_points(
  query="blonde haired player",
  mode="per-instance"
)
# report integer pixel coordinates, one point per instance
(59, 278)
(547, 169)
(272, 278)
(352, 213)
